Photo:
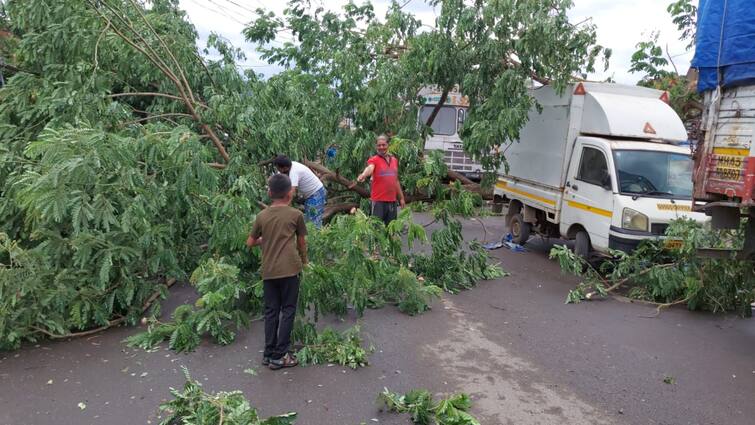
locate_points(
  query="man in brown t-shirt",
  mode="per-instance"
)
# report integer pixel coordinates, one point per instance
(281, 231)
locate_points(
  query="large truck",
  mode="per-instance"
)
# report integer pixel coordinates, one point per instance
(445, 130)
(724, 176)
(599, 164)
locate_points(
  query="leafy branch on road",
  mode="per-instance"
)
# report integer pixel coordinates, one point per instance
(423, 410)
(355, 262)
(670, 276)
(192, 405)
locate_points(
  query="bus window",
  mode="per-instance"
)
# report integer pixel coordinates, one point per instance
(444, 123)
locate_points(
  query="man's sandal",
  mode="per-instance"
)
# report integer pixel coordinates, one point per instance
(286, 361)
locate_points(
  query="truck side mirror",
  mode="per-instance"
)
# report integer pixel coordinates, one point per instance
(605, 181)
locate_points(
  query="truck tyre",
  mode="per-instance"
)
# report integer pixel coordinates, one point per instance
(582, 244)
(520, 231)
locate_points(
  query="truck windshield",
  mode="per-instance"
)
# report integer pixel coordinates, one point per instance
(653, 173)
(444, 123)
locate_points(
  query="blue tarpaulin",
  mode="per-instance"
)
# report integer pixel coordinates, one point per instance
(725, 44)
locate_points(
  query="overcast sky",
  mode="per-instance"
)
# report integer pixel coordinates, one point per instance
(620, 24)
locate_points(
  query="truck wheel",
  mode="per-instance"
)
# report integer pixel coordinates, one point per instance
(582, 244)
(520, 231)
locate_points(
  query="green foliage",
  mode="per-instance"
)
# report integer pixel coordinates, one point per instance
(193, 405)
(423, 410)
(329, 346)
(91, 227)
(449, 266)
(676, 275)
(684, 14)
(653, 63)
(376, 67)
(216, 312)
(355, 261)
(649, 59)
(109, 178)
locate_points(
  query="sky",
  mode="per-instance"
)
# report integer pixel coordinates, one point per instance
(621, 24)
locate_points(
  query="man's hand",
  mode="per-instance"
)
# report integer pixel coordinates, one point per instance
(402, 202)
(360, 178)
(251, 241)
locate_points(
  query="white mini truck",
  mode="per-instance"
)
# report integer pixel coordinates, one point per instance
(600, 164)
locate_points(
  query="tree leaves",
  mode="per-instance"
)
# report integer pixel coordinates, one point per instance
(419, 404)
(193, 405)
(668, 276)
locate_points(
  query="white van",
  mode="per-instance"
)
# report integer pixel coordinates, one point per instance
(601, 165)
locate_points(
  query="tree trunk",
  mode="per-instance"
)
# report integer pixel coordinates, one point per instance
(434, 113)
(324, 171)
(460, 177)
(332, 210)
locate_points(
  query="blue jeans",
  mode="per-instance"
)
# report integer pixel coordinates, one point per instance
(314, 207)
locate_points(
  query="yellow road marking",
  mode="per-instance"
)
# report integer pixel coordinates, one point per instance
(504, 186)
(594, 210)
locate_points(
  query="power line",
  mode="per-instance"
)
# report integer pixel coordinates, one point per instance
(217, 12)
(230, 13)
(405, 3)
(245, 8)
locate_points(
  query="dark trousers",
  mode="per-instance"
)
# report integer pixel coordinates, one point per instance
(386, 211)
(280, 297)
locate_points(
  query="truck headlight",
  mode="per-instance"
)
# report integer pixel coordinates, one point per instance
(634, 220)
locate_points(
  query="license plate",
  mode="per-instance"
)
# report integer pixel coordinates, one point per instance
(673, 243)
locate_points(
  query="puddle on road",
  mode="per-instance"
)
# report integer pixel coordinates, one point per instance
(506, 389)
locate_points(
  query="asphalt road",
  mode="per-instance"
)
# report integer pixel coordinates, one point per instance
(523, 355)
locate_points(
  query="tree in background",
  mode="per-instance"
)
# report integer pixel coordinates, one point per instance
(659, 71)
(489, 50)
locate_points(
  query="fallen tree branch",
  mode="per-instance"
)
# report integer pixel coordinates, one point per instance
(628, 278)
(661, 306)
(156, 116)
(350, 184)
(332, 210)
(111, 323)
(153, 94)
(179, 81)
(454, 175)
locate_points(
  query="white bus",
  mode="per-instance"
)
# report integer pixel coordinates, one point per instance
(446, 127)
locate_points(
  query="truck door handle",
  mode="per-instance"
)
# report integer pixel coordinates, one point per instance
(574, 187)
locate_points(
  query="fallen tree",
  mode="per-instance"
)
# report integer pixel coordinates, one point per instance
(128, 159)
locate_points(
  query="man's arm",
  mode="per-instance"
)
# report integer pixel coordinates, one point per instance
(401, 199)
(366, 173)
(255, 236)
(301, 244)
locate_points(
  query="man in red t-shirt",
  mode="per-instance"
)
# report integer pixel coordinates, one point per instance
(383, 168)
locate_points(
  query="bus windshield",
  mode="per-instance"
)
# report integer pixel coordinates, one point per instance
(445, 121)
(654, 173)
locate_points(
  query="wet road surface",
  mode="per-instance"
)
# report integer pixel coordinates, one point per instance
(523, 355)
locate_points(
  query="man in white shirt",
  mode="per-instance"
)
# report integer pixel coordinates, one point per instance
(306, 185)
